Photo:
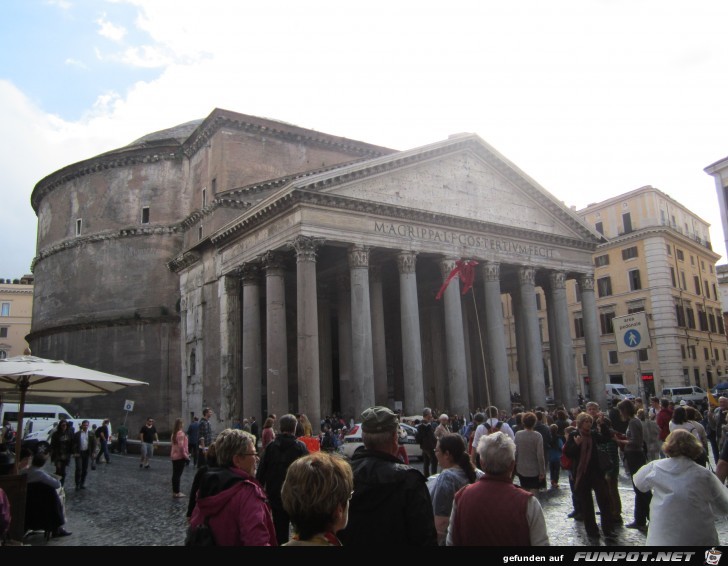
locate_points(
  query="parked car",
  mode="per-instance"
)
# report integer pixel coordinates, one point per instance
(352, 441)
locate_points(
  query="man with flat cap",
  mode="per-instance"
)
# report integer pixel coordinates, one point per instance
(390, 504)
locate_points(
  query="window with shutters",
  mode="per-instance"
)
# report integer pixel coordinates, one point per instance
(629, 253)
(604, 286)
(634, 280)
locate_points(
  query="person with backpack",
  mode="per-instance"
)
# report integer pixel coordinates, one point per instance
(231, 504)
(489, 425)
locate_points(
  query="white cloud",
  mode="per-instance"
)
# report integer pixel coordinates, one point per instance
(591, 99)
(62, 4)
(145, 56)
(75, 63)
(109, 30)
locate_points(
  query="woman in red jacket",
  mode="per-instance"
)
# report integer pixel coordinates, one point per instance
(230, 499)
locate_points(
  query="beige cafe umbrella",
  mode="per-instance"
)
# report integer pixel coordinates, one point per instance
(28, 375)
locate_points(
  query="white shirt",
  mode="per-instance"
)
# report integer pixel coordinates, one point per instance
(680, 489)
(481, 430)
(83, 441)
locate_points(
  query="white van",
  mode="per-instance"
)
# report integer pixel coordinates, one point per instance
(617, 391)
(33, 412)
(686, 393)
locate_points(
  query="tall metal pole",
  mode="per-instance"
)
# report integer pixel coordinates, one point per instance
(23, 385)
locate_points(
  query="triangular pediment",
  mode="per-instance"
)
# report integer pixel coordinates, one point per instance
(463, 177)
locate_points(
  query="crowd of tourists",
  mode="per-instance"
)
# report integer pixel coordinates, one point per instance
(284, 485)
(291, 491)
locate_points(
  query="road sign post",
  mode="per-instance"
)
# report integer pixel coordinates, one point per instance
(631, 332)
(128, 407)
(633, 335)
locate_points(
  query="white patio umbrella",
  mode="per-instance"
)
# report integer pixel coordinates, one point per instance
(29, 375)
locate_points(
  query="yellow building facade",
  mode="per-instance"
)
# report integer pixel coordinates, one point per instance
(657, 259)
(16, 308)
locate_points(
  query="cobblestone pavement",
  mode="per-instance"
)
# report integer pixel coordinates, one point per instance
(124, 505)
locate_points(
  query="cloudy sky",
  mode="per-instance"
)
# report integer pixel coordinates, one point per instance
(592, 98)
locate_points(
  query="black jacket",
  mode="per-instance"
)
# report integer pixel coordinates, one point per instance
(426, 435)
(390, 505)
(278, 455)
(77, 442)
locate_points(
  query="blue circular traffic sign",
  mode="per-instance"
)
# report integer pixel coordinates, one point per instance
(632, 338)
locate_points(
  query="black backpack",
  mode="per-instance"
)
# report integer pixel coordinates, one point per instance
(490, 429)
(201, 535)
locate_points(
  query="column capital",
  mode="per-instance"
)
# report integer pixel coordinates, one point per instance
(527, 275)
(306, 247)
(273, 262)
(406, 262)
(249, 273)
(359, 257)
(491, 271)
(586, 282)
(447, 264)
(557, 279)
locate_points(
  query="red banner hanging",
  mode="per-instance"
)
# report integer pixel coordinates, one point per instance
(463, 269)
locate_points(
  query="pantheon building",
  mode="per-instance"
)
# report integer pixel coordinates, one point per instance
(257, 267)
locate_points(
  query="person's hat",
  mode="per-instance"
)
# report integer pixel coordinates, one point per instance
(683, 403)
(378, 419)
(443, 417)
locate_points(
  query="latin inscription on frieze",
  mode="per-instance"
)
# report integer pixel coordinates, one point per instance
(500, 245)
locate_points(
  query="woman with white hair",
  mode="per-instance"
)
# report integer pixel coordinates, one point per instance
(519, 519)
(687, 499)
(444, 427)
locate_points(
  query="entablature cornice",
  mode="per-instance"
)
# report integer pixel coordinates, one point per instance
(117, 158)
(183, 261)
(200, 213)
(273, 184)
(16, 290)
(658, 230)
(102, 236)
(300, 197)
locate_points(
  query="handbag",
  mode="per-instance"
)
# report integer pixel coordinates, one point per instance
(566, 462)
